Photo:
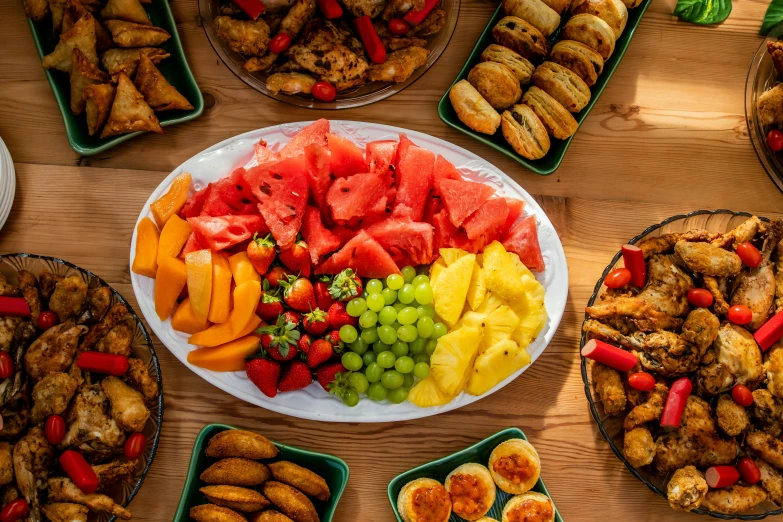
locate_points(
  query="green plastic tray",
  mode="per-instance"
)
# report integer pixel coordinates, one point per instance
(175, 68)
(334, 470)
(549, 163)
(479, 452)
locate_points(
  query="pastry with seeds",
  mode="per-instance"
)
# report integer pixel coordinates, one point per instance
(591, 31)
(540, 15)
(522, 37)
(236, 472)
(213, 513)
(303, 479)
(519, 65)
(496, 83)
(235, 497)
(613, 12)
(525, 132)
(472, 109)
(293, 503)
(557, 120)
(563, 85)
(579, 58)
(241, 443)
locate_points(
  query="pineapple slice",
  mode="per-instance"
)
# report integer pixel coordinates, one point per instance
(477, 290)
(474, 319)
(453, 357)
(449, 255)
(451, 289)
(532, 317)
(435, 270)
(504, 274)
(491, 302)
(499, 326)
(494, 365)
(426, 394)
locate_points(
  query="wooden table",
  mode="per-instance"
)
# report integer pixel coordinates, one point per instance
(667, 136)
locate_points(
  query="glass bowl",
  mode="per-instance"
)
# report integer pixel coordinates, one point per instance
(356, 97)
(611, 427)
(141, 347)
(762, 76)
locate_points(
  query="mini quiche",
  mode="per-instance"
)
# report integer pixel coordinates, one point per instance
(528, 507)
(515, 466)
(472, 491)
(424, 500)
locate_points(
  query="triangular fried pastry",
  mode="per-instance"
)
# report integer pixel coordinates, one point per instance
(83, 73)
(129, 34)
(98, 100)
(36, 9)
(159, 93)
(129, 112)
(117, 61)
(57, 7)
(127, 10)
(74, 10)
(80, 36)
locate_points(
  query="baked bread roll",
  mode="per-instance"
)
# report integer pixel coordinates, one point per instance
(584, 61)
(529, 506)
(540, 15)
(496, 83)
(613, 12)
(630, 4)
(563, 85)
(520, 36)
(472, 109)
(558, 121)
(520, 66)
(591, 31)
(514, 464)
(527, 135)
(559, 6)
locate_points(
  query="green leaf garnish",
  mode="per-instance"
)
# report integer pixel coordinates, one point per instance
(703, 12)
(772, 17)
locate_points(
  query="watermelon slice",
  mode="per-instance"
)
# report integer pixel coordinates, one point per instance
(347, 158)
(414, 175)
(404, 145)
(320, 176)
(195, 203)
(265, 155)
(320, 241)
(462, 198)
(344, 233)
(408, 242)
(522, 239)
(432, 206)
(449, 236)
(444, 170)
(314, 133)
(364, 255)
(354, 196)
(281, 189)
(191, 245)
(231, 196)
(221, 232)
(486, 224)
(380, 156)
(515, 208)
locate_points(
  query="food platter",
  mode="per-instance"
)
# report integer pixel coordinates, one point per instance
(7, 183)
(313, 402)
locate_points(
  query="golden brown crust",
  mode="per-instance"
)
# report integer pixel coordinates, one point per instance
(579, 58)
(732, 418)
(472, 109)
(638, 447)
(235, 497)
(236, 472)
(563, 85)
(559, 6)
(291, 501)
(521, 37)
(496, 83)
(558, 121)
(286, 82)
(81, 36)
(524, 132)
(734, 499)
(117, 61)
(246, 37)
(127, 10)
(591, 31)
(519, 65)
(98, 101)
(157, 91)
(268, 516)
(213, 513)
(129, 34)
(609, 387)
(83, 73)
(686, 489)
(613, 12)
(536, 12)
(129, 112)
(306, 481)
(240, 443)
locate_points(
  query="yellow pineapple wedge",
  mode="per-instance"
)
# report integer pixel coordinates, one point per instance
(426, 394)
(477, 290)
(498, 326)
(494, 365)
(453, 357)
(532, 316)
(504, 274)
(491, 302)
(435, 270)
(449, 255)
(474, 319)
(451, 289)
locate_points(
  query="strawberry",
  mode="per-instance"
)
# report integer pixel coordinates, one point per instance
(333, 338)
(316, 322)
(298, 293)
(304, 343)
(265, 374)
(338, 316)
(280, 339)
(328, 374)
(276, 274)
(322, 296)
(261, 252)
(318, 353)
(346, 285)
(295, 377)
(297, 258)
(270, 305)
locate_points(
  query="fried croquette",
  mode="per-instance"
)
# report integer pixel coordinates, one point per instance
(294, 504)
(268, 516)
(234, 497)
(236, 472)
(240, 443)
(306, 481)
(213, 513)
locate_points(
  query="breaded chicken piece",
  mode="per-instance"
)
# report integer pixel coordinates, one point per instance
(68, 297)
(609, 387)
(715, 287)
(64, 490)
(51, 395)
(299, 13)
(237, 498)
(246, 37)
(708, 259)
(53, 351)
(268, 516)
(773, 367)
(29, 285)
(686, 489)
(112, 318)
(399, 65)
(770, 106)
(700, 329)
(127, 405)
(47, 281)
(213, 513)
(732, 418)
(306, 481)
(65, 512)
(766, 447)
(236, 472)
(767, 411)
(240, 443)
(98, 302)
(290, 83)
(734, 499)
(771, 481)
(638, 447)
(290, 501)
(113, 472)
(666, 242)
(117, 340)
(6, 464)
(138, 377)
(648, 411)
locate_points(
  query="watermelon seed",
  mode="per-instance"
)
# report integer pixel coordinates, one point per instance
(246, 201)
(239, 188)
(345, 189)
(277, 176)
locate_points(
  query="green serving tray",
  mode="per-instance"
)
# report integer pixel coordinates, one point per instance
(479, 452)
(549, 163)
(334, 470)
(175, 68)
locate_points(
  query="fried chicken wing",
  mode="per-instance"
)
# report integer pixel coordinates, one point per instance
(648, 411)
(700, 328)
(638, 447)
(716, 287)
(431, 25)
(64, 490)
(746, 231)
(399, 65)
(65, 512)
(290, 83)
(54, 350)
(8, 326)
(98, 302)
(770, 106)
(8, 290)
(139, 378)
(734, 499)
(606, 332)
(16, 415)
(51, 395)
(246, 37)
(771, 481)
(669, 354)
(393, 42)
(738, 352)
(6, 463)
(112, 318)
(113, 472)
(666, 242)
(766, 447)
(714, 377)
(29, 285)
(398, 8)
(708, 259)
(127, 405)
(609, 387)
(773, 367)
(643, 315)
(732, 418)
(686, 489)
(117, 340)
(667, 286)
(32, 459)
(47, 281)
(91, 429)
(68, 297)
(768, 412)
(297, 16)
(359, 8)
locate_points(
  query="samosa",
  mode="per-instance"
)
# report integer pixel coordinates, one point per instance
(57, 7)
(98, 100)
(74, 10)
(36, 9)
(117, 61)
(129, 112)
(127, 10)
(83, 73)
(157, 91)
(80, 36)
(129, 34)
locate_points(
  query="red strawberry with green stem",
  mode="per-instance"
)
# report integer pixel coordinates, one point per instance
(346, 285)
(304, 343)
(318, 353)
(295, 377)
(297, 258)
(280, 339)
(316, 322)
(298, 293)
(261, 252)
(338, 316)
(293, 317)
(322, 296)
(328, 374)
(264, 373)
(276, 274)
(270, 305)
(333, 338)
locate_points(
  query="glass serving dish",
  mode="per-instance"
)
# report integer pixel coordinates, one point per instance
(762, 76)
(355, 97)
(611, 427)
(141, 347)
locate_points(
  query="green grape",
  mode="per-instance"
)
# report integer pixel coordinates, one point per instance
(387, 315)
(389, 296)
(425, 327)
(391, 379)
(419, 280)
(423, 294)
(369, 335)
(439, 330)
(421, 370)
(416, 347)
(397, 395)
(356, 306)
(407, 315)
(380, 346)
(359, 381)
(368, 318)
(407, 333)
(352, 361)
(374, 286)
(407, 380)
(399, 348)
(369, 357)
(348, 333)
(403, 364)
(408, 273)
(419, 358)
(395, 281)
(351, 397)
(386, 359)
(377, 392)
(406, 294)
(359, 346)
(396, 325)
(364, 295)
(387, 334)
(375, 302)
(398, 306)
(373, 372)
(431, 345)
(426, 311)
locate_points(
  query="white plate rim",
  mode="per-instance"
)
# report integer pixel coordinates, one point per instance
(555, 277)
(8, 182)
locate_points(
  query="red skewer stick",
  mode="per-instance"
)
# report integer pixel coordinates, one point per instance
(633, 257)
(675, 403)
(108, 363)
(417, 17)
(14, 306)
(330, 8)
(252, 8)
(722, 476)
(81, 473)
(770, 332)
(609, 355)
(370, 39)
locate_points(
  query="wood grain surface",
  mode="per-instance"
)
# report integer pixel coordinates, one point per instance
(667, 136)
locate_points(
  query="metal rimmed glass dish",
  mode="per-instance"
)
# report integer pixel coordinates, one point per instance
(612, 427)
(356, 97)
(141, 348)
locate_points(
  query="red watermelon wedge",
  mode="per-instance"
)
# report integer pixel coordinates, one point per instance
(221, 232)
(364, 255)
(444, 170)
(462, 198)
(195, 203)
(522, 239)
(414, 172)
(191, 245)
(344, 233)
(515, 208)
(265, 155)
(408, 242)
(402, 150)
(315, 133)
(449, 236)
(320, 240)
(346, 158)
(432, 206)
(381, 156)
(486, 224)
(354, 196)
(230, 196)
(320, 177)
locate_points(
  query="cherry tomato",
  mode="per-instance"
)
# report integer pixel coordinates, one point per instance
(324, 91)
(134, 446)
(47, 319)
(749, 471)
(279, 43)
(641, 381)
(742, 395)
(740, 314)
(699, 297)
(617, 278)
(749, 254)
(775, 140)
(398, 26)
(54, 429)
(14, 510)
(6, 365)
